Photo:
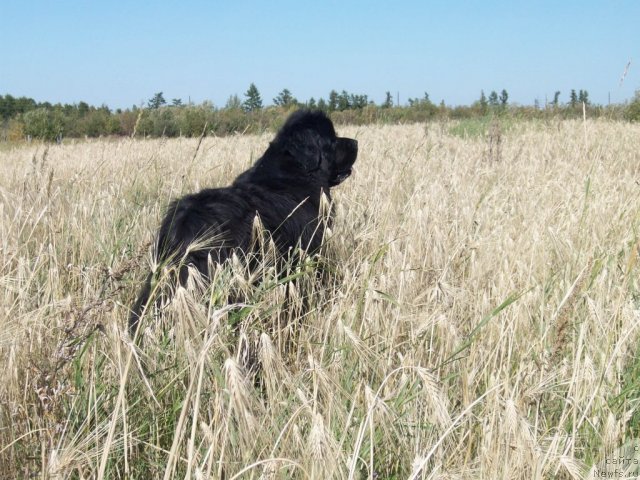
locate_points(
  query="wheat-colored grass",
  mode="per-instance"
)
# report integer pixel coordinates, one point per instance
(482, 320)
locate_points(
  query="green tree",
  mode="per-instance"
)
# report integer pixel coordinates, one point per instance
(24, 104)
(332, 106)
(583, 97)
(482, 102)
(388, 101)
(504, 98)
(253, 100)
(43, 124)
(358, 101)
(11, 107)
(423, 107)
(194, 119)
(573, 98)
(632, 112)
(177, 102)
(285, 99)
(164, 123)
(312, 103)
(96, 123)
(420, 102)
(442, 109)
(322, 105)
(156, 101)
(83, 108)
(344, 101)
(68, 109)
(556, 98)
(493, 98)
(144, 124)
(7, 105)
(233, 103)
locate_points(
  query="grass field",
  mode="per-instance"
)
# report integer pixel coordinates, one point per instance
(483, 321)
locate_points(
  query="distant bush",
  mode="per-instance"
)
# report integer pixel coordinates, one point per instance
(632, 112)
(15, 131)
(164, 123)
(127, 121)
(97, 123)
(192, 121)
(43, 124)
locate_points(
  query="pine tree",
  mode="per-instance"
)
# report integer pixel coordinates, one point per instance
(556, 98)
(285, 99)
(83, 108)
(233, 103)
(483, 102)
(504, 98)
(344, 102)
(157, 101)
(583, 97)
(253, 101)
(573, 98)
(357, 101)
(388, 101)
(493, 98)
(333, 101)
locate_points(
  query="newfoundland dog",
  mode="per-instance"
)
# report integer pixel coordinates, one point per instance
(283, 188)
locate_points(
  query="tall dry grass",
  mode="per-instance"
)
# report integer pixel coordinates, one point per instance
(482, 321)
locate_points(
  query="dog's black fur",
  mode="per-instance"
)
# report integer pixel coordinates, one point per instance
(284, 188)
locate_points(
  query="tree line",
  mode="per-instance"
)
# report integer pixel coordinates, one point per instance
(24, 118)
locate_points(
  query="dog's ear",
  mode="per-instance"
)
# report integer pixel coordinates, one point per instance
(305, 147)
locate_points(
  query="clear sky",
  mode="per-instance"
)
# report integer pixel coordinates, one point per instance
(120, 53)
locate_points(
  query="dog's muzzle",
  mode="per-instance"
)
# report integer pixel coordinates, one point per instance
(347, 153)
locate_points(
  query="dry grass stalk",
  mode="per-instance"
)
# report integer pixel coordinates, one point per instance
(422, 358)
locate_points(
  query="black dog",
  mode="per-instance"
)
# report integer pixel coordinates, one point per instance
(283, 188)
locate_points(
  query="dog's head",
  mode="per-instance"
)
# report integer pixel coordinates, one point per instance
(309, 143)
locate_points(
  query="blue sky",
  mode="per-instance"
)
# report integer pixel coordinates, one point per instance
(121, 53)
